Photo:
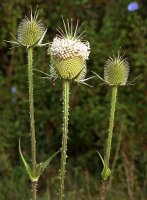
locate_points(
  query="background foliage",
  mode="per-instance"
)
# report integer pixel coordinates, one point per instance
(109, 26)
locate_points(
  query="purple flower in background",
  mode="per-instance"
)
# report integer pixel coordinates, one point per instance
(133, 6)
(13, 89)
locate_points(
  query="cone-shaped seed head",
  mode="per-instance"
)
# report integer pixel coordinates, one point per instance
(116, 71)
(70, 55)
(70, 67)
(30, 31)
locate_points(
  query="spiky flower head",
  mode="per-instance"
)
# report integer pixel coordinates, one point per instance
(69, 53)
(116, 71)
(31, 31)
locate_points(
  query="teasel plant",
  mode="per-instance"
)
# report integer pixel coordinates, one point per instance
(68, 55)
(31, 32)
(116, 74)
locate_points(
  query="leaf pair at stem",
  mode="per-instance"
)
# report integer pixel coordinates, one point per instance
(39, 168)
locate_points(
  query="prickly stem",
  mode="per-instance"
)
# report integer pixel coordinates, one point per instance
(111, 125)
(106, 173)
(66, 90)
(34, 190)
(32, 120)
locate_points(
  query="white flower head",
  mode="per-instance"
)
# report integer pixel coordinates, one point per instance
(66, 48)
(69, 53)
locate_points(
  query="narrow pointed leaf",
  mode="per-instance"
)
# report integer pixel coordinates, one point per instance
(134, 79)
(78, 74)
(41, 167)
(99, 77)
(42, 37)
(101, 159)
(15, 39)
(42, 72)
(11, 41)
(27, 167)
(84, 83)
(86, 79)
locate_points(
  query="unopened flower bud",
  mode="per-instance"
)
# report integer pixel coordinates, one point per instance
(116, 71)
(30, 31)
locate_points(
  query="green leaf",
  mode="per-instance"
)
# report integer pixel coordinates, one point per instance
(27, 167)
(100, 79)
(101, 159)
(106, 172)
(15, 39)
(41, 167)
(41, 39)
(78, 74)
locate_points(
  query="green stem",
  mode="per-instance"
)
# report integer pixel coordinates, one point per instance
(32, 120)
(106, 170)
(111, 125)
(66, 88)
(34, 189)
(106, 173)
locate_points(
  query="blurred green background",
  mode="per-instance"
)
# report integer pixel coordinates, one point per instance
(109, 27)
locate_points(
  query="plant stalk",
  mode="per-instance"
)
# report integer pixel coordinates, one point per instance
(32, 120)
(34, 190)
(102, 190)
(106, 171)
(111, 125)
(66, 92)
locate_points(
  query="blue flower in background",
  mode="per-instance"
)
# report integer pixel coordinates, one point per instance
(133, 6)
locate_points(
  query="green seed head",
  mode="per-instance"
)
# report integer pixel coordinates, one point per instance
(116, 71)
(30, 31)
(69, 68)
(69, 54)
